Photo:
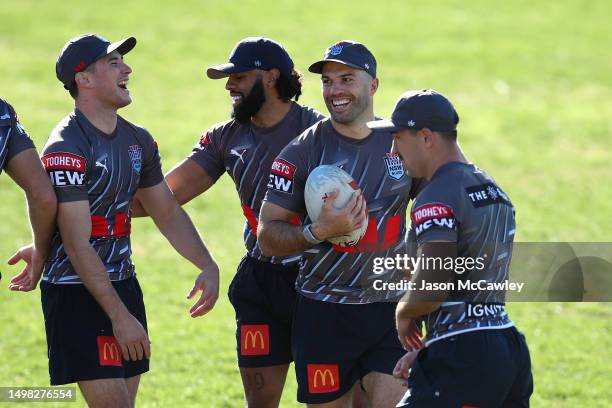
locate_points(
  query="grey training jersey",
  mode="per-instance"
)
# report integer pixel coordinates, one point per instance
(106, 170)
(246, 153)
(463, 204)
(13, 137)
(345, 274)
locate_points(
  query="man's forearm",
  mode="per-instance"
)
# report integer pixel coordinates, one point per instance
(42, 209)
(178, 228)
(280, 238)
(92, 272)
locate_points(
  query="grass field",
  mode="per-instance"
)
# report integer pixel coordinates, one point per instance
(530, 79)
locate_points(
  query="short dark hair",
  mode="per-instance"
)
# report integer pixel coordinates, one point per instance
(73, 89)
(289, 86)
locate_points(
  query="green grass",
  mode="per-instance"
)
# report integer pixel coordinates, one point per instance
(530, 79)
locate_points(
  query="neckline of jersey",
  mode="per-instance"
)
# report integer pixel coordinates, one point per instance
(271, 129)
(448, 166)
(109, 136)
(351, 140)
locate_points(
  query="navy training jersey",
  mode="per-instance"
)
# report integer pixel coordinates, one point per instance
(345, 274)
(463, 204)
(86, 164)
(13, 137)
(246, 153)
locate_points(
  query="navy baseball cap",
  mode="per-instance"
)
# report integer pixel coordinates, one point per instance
(80, 52)
(253, 53)
(420, 109)
(349, 53)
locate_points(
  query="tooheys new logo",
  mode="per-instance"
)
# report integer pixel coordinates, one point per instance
(433, 216)
(281, 176)
(65, 169)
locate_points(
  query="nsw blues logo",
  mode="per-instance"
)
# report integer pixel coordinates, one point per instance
(135, 153)
(336, 49)
(395, 169)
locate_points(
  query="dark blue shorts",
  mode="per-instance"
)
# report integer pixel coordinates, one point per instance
(335, 345)
(483, 368)
(80, 339)
(263, 296)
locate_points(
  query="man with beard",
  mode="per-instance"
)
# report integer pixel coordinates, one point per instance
(262, 82)
(19, 158)
(344, 331)
(98, 162)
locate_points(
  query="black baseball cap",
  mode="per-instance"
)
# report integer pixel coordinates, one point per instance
(420, 109)
(349, 53)
(253, 53)
(80, 52)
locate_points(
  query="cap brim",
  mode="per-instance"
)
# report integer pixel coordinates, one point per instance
(224, 70)
(383, 125)
(317, 67)
(123, 46)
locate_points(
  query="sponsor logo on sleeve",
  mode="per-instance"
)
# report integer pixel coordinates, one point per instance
(486, 194)
(109, 351)
(204, 140)
(395, 169)
(434, 215)
(65, 169)
(135, 152)
(281, 176)
(254, 340)
(323, 378)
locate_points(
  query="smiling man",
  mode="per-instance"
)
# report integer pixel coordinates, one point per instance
(97, 161)
(261, 81)
(344, 336)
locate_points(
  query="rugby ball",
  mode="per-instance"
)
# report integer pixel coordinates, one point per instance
(326, 179)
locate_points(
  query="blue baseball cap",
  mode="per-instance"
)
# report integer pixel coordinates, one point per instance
(420, 109)
(80, 52)
(347, 52)
(253, 53)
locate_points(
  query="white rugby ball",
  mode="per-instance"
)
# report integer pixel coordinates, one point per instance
(326, 179)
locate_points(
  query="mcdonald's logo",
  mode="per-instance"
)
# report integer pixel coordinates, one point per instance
(254, 340)
(323, 378)
(109, 351)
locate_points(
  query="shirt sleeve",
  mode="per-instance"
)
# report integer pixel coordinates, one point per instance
(18, 138)
(287, 178)
(151, 174)
(208, 154)
(67, 164)
(434, 217)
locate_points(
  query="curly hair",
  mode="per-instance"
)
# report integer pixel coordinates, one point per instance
(289, 86)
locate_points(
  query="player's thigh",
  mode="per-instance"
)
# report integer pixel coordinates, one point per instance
(263, 386)
(382, 390)
(345, 401)
(106, 393)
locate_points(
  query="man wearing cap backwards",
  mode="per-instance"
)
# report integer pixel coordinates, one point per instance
(19, 158)
(262, 82)
(93, 307)
(344, 333)
(473, 355)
